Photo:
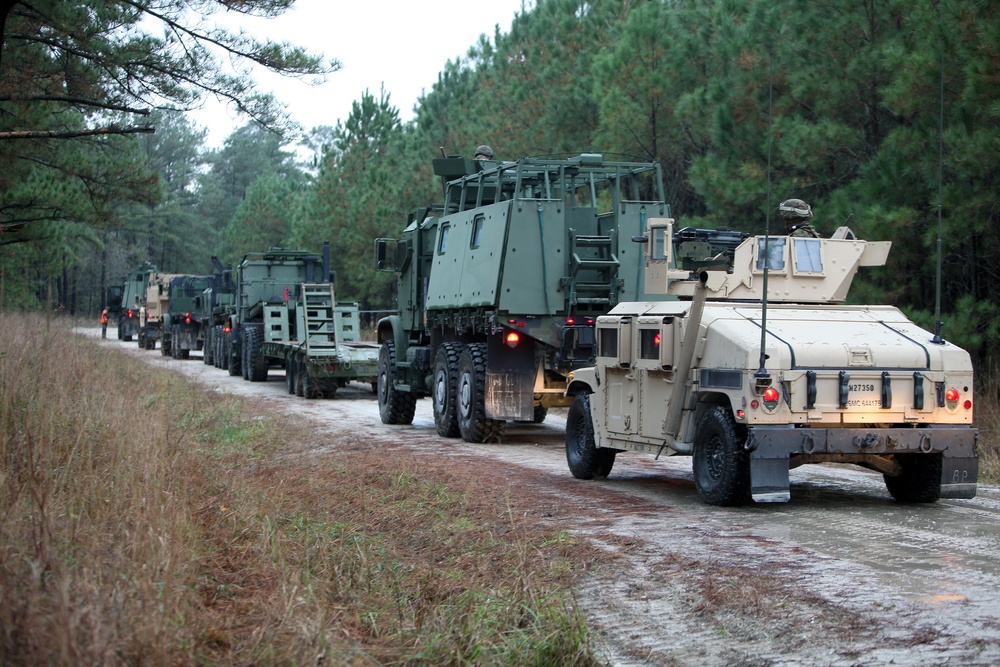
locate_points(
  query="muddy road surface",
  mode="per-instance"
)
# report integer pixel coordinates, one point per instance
(839, 576)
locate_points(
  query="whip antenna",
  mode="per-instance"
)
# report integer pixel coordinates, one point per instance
(937, 282)
(762, 377)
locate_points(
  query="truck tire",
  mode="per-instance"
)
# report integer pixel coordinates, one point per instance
(256, 363)
(585, 460)
(310, 385)
(920, 481)
(471, 408)
(394, 406)
(232, 361)
(119, 331)
(164, 343)
(539, 416)
(221, 362)
(721, 464)
(290, 372)
(443, 392)
(208, 351)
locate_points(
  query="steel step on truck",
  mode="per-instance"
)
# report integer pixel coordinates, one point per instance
(287, 316)
(751, 387)
(498, 287)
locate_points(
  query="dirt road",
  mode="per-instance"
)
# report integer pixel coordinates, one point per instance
(838, 576)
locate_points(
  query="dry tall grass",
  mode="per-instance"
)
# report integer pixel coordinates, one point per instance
(144, 521)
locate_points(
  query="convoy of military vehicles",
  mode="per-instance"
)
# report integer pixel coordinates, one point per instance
(563, 283)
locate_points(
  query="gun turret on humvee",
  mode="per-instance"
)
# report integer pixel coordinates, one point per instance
(499, 286)
(751, 387)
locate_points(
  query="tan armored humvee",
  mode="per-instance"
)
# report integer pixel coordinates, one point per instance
(151, 316)
(832, 382)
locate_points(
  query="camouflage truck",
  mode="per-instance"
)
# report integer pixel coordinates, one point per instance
(750, 387)
(133, 299)
(153, 311)
(286, 316)
(498, 287)
(182, 322)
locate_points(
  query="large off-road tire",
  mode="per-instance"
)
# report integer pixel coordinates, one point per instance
(232, 361)
(585, 460)
(471, 391)
(221, 362)
(539, 416)
(256, 363)
(311, 387)
(721, 464)
(175, 347)
(394, 406)
(444, 389)
(120, 337)
(920, 481)
(208, 349)
(164, 343)
(290, 372)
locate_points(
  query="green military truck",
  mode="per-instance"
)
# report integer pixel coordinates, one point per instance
(215, 305)
(750, 387)
(498, 287)
(182, 322)
(286, 316)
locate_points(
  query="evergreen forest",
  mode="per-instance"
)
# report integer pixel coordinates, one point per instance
(882, 114)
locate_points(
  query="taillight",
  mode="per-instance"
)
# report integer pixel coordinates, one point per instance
(226, 329)
(187, 318)
(512, 339)
(129, 313)
(951, 398)
(771, 398)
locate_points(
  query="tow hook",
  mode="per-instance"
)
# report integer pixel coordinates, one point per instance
(869, 440)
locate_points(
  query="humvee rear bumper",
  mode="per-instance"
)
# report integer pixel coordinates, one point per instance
(772, 449)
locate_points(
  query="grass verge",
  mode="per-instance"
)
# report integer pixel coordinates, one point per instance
(144, 521)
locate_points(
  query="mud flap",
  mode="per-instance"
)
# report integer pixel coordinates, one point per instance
(510, 380)
(769, 480)
(958, 476)
(768, 469)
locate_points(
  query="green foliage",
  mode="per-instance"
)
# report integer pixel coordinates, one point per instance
(263, 219)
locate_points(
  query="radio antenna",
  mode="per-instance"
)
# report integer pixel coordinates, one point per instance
(937, 340)
(762, 378)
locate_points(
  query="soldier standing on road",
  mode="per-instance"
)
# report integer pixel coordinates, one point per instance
(104, 323)
(796, 214)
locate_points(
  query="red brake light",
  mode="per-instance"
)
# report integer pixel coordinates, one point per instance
(951, 395)
(656, 338)
(570, 320)
(187, 318)
(129, 313)
(771, 397)
(512, 338)
(226, 329)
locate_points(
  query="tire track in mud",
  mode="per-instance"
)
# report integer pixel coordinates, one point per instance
(840, 576)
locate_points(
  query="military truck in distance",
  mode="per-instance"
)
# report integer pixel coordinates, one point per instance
(499, 286)
(215, 305)
(133, 298)
(286, 316)
(833, 382)
(182, 323)
(152, 313)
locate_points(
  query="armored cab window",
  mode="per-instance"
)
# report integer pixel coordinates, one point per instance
(808, 255)
(775, 253)
(657, 244)
(477, 231)
(608, 343)
(443, 240)
(649, 344)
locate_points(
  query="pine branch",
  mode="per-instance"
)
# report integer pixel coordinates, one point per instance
(72, 134)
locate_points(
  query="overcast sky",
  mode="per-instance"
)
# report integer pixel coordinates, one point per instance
(401, 44)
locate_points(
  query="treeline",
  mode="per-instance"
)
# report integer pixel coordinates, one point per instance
(873, 111)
